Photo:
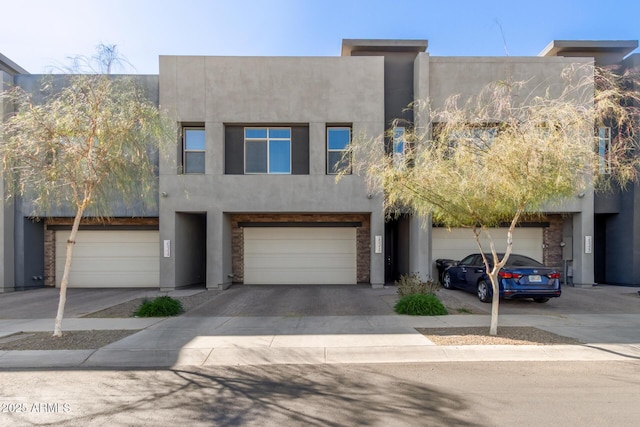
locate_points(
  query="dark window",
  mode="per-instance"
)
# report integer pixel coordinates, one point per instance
(193, 149)
(235, 149)
(522, 261)
(267, 150)
(338, 140)
(604, 150)
(469, 260)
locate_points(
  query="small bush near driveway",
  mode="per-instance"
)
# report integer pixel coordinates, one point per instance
(160, 307)
(420, 305)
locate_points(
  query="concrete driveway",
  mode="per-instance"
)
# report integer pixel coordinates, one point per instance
(237, 301)
(601, 299)
(296, 301)
(43, 303)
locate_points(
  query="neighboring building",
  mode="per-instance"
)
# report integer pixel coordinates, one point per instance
(250, 194)
(616, 234)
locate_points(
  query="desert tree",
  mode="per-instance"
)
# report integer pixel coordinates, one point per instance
(89, 144)
(509, 151)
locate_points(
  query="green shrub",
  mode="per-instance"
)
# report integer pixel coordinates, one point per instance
(410, 284)
(420, 305)
(160, 307)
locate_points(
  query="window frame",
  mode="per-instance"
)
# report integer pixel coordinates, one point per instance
(267, 140)
(604, 150)
(331, 169)
(186, 150)
(399, 146)
(477, 137)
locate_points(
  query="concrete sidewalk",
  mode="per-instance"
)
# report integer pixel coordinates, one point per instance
(208, 341)
(230, 329)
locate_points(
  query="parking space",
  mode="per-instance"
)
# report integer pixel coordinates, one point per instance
(574, 300)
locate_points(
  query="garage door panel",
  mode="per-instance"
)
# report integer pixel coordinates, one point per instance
(298, 246)
(110, 258)
(107, 281)
(299, 233)
(300, 255)
(124, 250)
(115, 236)
(268, 261)
(110, 265)
(459, 242)
(268, 277)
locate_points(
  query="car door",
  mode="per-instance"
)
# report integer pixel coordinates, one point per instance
(460, 273)
(474, 271)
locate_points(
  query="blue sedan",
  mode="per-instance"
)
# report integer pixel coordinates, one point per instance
(521, 277)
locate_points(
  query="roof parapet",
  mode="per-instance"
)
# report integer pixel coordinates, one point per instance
(382, 45)
(605, 52)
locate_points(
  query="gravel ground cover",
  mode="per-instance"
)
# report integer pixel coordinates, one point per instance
(128, 308)
(507, 335)
(70, 340)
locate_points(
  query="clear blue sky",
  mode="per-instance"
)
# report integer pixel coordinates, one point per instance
(37, 34)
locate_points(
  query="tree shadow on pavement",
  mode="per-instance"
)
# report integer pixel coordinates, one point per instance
(309, 395)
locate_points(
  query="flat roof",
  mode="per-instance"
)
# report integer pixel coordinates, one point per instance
(573, 47)
(11, 67)
(382, 45)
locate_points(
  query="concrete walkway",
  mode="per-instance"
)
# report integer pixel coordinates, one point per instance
(208, 340)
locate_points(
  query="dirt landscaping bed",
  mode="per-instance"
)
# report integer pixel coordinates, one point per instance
(507, 335)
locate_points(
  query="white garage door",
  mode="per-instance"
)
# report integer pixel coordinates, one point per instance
(292, 255)
(460, 242)
(110, 258)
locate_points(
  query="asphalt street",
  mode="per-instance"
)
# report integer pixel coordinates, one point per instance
(428, 394)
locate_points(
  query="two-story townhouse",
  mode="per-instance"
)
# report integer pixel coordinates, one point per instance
(251, 195)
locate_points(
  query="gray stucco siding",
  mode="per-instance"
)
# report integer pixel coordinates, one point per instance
(468, 75)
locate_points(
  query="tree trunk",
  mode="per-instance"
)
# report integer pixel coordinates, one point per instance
(495, 301)
(57, 331)
(495, 284)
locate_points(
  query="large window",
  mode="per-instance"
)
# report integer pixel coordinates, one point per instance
(474, 140)
(604, 148)
(338, 140)
(267, 150)
(193, 149)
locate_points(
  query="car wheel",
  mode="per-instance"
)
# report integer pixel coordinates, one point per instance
(483, 291)
(541, 300)
(446, 281)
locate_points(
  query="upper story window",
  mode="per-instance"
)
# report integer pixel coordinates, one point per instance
(477, 138)
(474, 140)
(338, 140)
(193, 149)
(399, 146)
(604, 148)
(267, 150)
